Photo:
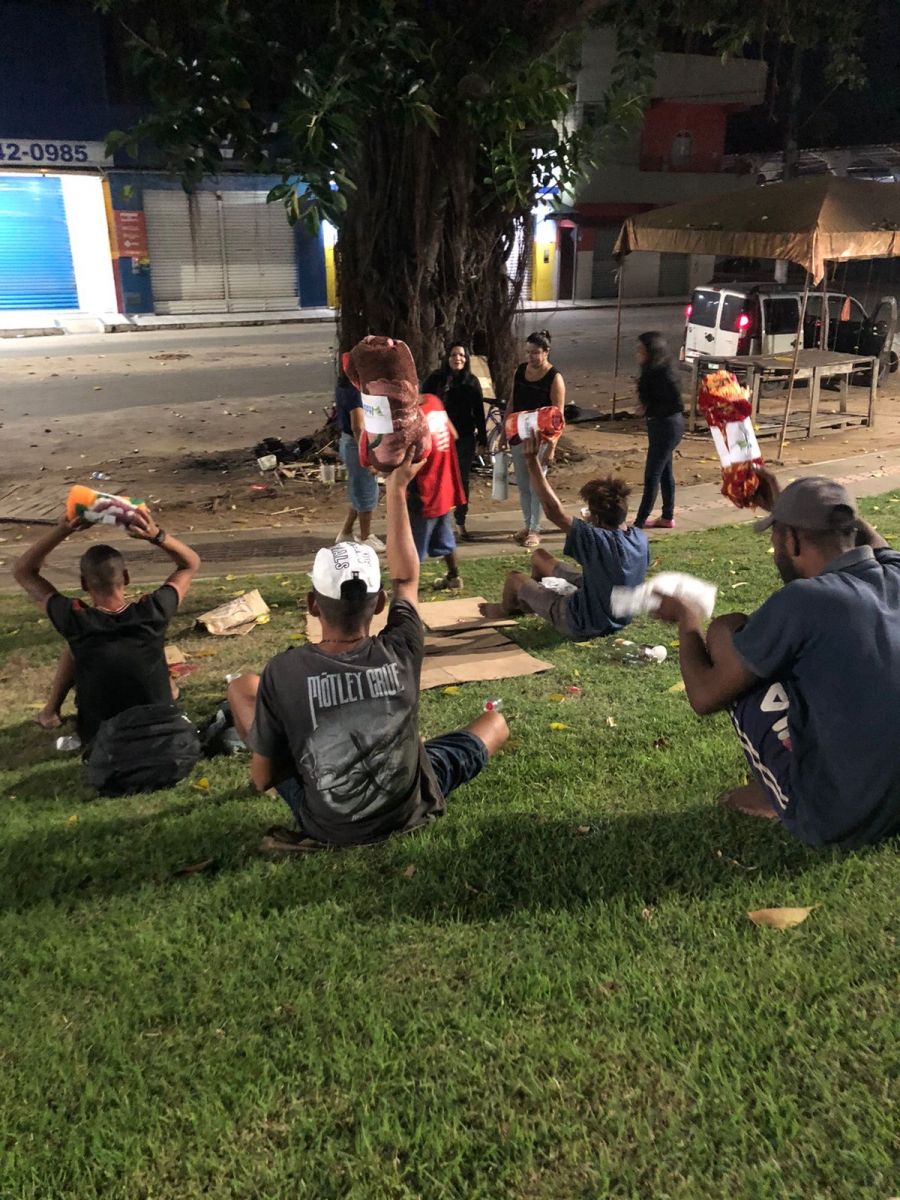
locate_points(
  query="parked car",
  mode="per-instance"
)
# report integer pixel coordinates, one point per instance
(734, 320)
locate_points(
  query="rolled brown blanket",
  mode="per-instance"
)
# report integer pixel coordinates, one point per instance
(385, 374)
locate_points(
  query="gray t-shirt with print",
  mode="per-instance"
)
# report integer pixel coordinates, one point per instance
(349, 723)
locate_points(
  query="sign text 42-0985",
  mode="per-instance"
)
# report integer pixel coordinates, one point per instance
(41, 152)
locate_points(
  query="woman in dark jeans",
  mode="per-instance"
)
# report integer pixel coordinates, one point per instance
(460, 392)
(660, 398)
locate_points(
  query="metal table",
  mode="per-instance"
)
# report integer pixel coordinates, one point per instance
(813, 366)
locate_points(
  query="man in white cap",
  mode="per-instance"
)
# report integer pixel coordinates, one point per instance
(812, 678)
(334, 726)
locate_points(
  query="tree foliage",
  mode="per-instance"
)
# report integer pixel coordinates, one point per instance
(424, 130)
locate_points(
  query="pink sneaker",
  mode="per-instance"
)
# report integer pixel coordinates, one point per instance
(660, 523)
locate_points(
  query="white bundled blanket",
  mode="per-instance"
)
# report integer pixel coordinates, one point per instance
(635, 602)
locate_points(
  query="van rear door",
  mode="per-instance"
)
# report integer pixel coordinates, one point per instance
(781, 317)
(702, 322)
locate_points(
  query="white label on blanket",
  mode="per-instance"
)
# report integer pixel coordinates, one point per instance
(526, 424)
(377, 415)
(739, 443)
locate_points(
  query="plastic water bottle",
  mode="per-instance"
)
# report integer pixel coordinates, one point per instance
(492, 706)
(631, 653)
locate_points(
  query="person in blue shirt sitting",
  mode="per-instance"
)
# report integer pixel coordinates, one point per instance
(610, 552)
(812, 678)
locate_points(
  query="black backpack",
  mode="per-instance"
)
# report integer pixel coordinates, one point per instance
(142, 749)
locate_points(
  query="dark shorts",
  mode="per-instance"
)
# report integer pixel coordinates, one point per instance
(761, 721)
(433, 536)
(456, 758)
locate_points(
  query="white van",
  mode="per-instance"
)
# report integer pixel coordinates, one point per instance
(732, 320)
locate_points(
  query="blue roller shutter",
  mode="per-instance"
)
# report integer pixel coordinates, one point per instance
(35, 257)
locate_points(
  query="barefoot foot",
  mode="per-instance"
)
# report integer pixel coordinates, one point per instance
(48, 718)
(750, 800)
(492, 612)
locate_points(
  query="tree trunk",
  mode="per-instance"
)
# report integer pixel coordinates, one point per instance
(417, 261)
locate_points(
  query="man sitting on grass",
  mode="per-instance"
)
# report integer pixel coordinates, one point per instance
(612, 553)
(812, 678)
(334, 726)
(114, 655)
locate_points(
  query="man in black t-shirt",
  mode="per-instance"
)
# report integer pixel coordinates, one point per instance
(334, 726)
(115, 647)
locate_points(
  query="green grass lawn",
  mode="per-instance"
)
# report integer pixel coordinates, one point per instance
(564, 999)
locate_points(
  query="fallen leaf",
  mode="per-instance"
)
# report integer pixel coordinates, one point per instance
(557, 725)
(609, 987)
(452, 690)
(743, 583)
(196, 868)
(230, 577)
(780, 918)
(201, 785)
(675, 644)
(557, 696)
(677, 687)
(647, 913)
(611, 722)
(582, 830)
(263, 619)
(409, 871)
(73, 819)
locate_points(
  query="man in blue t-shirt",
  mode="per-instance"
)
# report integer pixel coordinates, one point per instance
(812, 678)
(610, 552)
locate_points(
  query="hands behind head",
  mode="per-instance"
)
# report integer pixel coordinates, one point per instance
(407, 471)
(142, 526)
(768, 491)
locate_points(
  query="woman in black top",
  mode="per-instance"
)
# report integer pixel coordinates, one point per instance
(660, 403)
(536, 384)
(460, 392)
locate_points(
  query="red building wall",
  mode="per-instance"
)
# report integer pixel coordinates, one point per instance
(683, 137)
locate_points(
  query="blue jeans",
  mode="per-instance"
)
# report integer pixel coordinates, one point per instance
(362, 487)
(663, 435)
(530, 505)
(455, 758)
(433, 536)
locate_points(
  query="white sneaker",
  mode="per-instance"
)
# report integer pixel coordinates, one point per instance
(376, 543)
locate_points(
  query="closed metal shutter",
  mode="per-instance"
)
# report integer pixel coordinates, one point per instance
(259, 254)
(512, 264)
(36, 270)
(605, 267)
(219, 252)
(187, 271)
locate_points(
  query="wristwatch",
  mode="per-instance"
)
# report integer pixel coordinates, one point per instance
(158, 538)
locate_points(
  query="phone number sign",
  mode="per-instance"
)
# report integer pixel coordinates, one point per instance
(38, 152)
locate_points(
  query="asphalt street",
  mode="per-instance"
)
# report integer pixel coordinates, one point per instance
(76, 375)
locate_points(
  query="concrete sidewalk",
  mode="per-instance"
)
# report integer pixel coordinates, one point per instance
(265, 550)
(49, 323)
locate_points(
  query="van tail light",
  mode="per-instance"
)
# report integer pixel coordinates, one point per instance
(743, 323)
(688, 311)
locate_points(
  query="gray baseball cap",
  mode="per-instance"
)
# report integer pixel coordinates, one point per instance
(814, 503)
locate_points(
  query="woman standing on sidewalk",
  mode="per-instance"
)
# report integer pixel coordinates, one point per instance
(460, 392)
(362, 487)
(660, 403)
(536, 384)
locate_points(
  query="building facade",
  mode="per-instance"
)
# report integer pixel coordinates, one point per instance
(678, 154)
(85, 236)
